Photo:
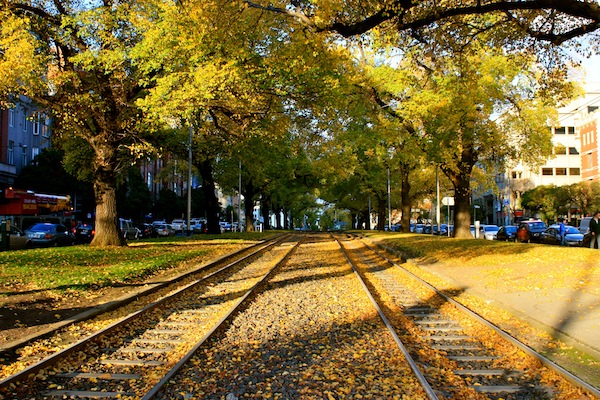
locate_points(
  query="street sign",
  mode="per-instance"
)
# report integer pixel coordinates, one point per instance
(448, 201)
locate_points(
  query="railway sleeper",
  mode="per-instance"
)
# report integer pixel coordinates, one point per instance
(498, 389)
(449, 337)
(463, 347)
(473, 358)
(138, 350)
(86, 394)
(441, 329)
(434, 322)
(482, 372)
(133, 362)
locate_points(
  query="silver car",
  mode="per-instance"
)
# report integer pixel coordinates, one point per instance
(18, 239)
(45, 234)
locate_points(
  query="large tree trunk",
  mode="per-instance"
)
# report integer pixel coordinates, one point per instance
(107, 223)
(462, 200)
(286, 221)
(249, 192)
(107, 232)
(405, 200)
(462, 208)
(212, 203)
(265, 206)
(381, 212)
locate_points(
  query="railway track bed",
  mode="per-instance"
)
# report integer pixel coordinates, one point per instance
(308, 318)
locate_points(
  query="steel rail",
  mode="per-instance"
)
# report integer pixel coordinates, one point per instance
(575, 380)
(151, 288)
(431, 395)
(56, 357)
(156, 389)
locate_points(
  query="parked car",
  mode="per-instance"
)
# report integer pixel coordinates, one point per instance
(572, 237)
(164, 230)
(488, 232)
(587, 238)
(584, 225)
(225, 226)
(444, 228)
(531, 231)
(178, 225)
(130, 232)
(507, 233)
(147, 231)
(18, 240)
(84, 232)
(46, 234)
(199, 227)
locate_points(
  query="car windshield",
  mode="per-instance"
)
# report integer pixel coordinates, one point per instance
(41, 228)
(511, 229)
(571, 229)
(537, 225)
(490, 228)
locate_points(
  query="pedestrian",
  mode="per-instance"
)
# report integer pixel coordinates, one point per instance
(562, 230)
(595, 230)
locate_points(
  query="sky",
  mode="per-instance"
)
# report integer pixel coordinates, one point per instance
(592, 72)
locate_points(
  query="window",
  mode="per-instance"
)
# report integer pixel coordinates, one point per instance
(46, 126)
(592, 109)
(574, 171)
(573, 150)
(11, 152)
(559, 131)
(35, 151)
(11, 117)
(24, 156)
(36, 125)
(24, 121)
(561, 171)
(547, 171)
(571, 130)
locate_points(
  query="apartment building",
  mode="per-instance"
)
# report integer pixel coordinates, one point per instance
(575, 158)
(24, 132)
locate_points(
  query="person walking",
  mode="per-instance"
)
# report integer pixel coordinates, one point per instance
(595, 230)
(562, 230)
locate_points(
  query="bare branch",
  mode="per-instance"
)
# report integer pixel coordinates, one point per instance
(295, 14)
(398, 15)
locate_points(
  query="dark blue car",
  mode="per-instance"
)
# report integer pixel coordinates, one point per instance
(507, 233)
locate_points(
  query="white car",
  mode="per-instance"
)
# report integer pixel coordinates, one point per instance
(488, 232)
(178, 225)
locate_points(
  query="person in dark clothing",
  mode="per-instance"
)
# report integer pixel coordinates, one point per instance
(595, 230)
(562, 231)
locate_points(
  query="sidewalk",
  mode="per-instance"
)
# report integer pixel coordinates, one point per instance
(571, 314)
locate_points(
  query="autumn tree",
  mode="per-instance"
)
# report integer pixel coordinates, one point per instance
(72, 59)
(544, 21)
(236, 76)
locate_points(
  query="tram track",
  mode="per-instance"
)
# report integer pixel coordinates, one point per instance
(487, 360)
(125, 359)
(25, 352)
(295, 322)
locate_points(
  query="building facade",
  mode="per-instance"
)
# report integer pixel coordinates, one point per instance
(575, 159)
(24, 132)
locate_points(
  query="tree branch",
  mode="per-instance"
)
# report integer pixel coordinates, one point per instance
(425, 16)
